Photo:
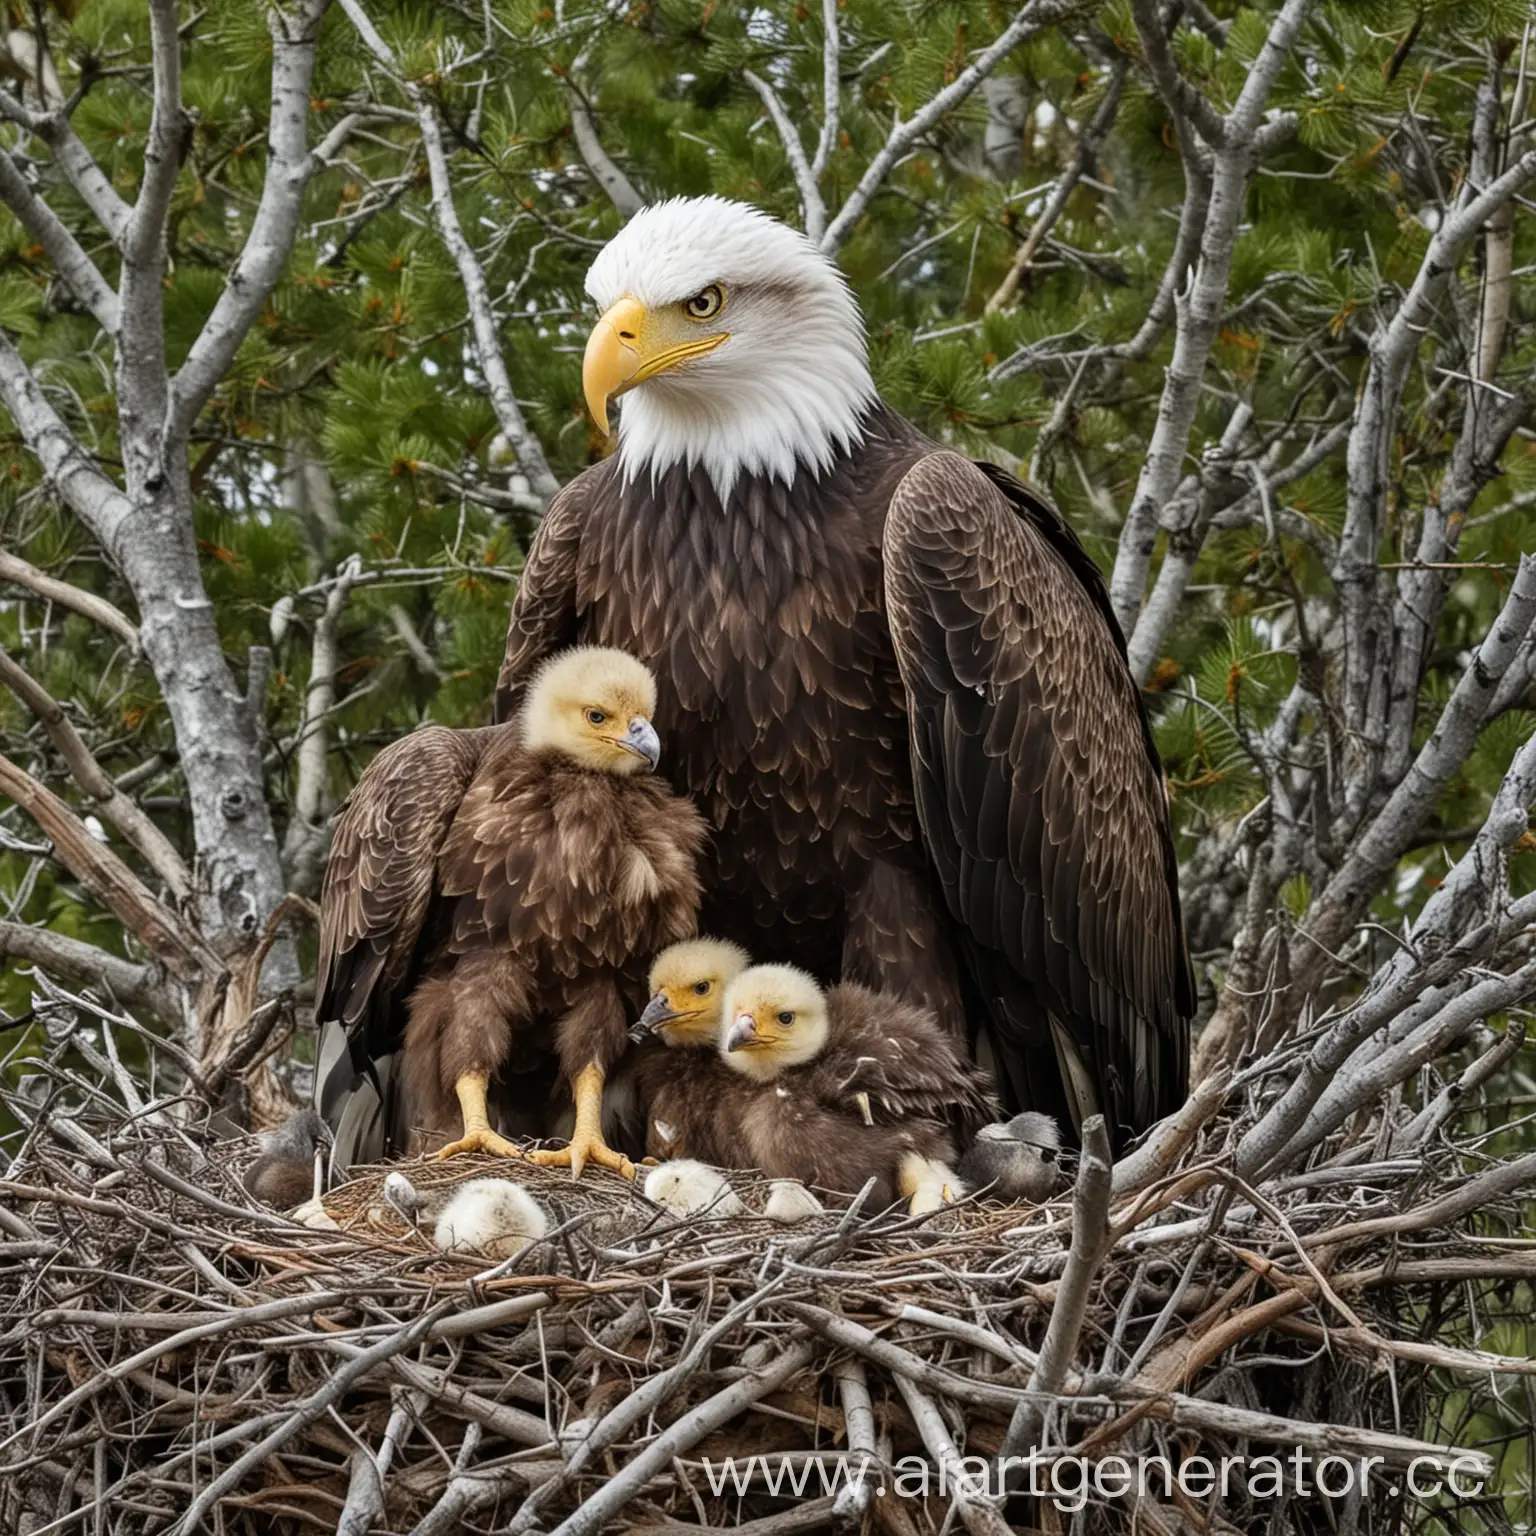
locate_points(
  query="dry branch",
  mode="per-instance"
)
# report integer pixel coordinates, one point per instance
(123, 812)
(19, 573)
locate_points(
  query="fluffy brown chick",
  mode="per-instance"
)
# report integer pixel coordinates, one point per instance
(852, 1085)
(687, 1092)
(563, 862)
(284, 1174)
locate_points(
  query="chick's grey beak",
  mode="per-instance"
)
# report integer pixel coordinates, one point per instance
(642, 740)
(657, 1013)
(743, 1031)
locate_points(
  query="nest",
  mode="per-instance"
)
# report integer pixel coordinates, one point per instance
(176, 1359)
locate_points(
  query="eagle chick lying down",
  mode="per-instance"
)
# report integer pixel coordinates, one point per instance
(507, 884)
(851, 1085)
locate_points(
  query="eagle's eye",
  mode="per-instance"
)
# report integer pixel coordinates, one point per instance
(705, 304)
(786, 1018)
(701, 988)
(596, 717)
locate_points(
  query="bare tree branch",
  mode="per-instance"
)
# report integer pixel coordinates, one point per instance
(1066, 183)
(509, 415)
(142, 385)
(270, 241)
(1030, 19)
(308, 837)
(831, 90)
(1392, 349)
(1422, 587)
(1184, 102)
(139, 986)
(93, 497)
(44, 225)
(124, 813)
(1186, 541)
(108, 879)
(1199, 320)
(619, 188)
(21, 573)
(76, 162)
(815, 210)
(1090, 1242)
(1392, 830)
(1498, 237)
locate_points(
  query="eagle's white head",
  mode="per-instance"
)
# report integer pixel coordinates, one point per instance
(738, 344)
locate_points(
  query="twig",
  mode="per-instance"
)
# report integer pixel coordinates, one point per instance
(1090, 1242)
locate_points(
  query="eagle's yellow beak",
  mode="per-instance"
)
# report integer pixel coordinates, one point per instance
(631, 344)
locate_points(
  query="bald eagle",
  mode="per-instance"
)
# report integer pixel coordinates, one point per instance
(491, 898)
(889, 676)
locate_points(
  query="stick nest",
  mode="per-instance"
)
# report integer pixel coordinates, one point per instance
(177, 1359)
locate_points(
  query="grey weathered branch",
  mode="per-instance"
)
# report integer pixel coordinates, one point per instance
(859, 1419)
(306, 841)
(1199, 315)
(619, 188)
(1166, 1142)
(22, 573)
(1029, 19)
(79, 272)
(142, 381)
(1423, 585)
(509, 414)
(290, 165)
(815, 210)
(1362, 1081)
(75, 161)
(1184, 102)
(1393, 347)
(1390, 833)
(109, 880)
(1090, 1242)
(977, 1513)
(1082, 157)
(1186, 541)
(831, 90)
(118, 808)
(681, 1435)
(90, 494)
(73, 960)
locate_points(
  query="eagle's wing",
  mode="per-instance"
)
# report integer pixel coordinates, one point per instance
(379, 883)
(1040, 794)
(893, 1061)
(543, 616)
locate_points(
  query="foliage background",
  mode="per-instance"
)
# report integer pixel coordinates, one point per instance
(355, 421)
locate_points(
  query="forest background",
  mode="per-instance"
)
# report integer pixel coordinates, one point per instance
(291, 320)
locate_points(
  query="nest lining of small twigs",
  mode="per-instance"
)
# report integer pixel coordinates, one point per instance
(181, 1360)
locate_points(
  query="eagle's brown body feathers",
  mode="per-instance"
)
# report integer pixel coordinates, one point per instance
(494, 905)
(898, 695)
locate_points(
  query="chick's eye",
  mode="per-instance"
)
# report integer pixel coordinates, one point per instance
(701, 987)
(705, 304)
(596, 716)
(786, 1018)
